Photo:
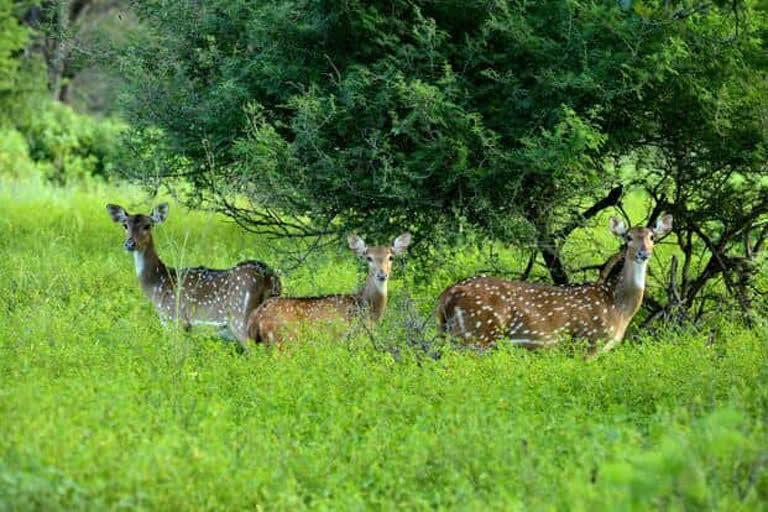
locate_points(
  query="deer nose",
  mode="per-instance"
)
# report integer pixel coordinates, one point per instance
(643, 254)
(130, 245)
(381, 276)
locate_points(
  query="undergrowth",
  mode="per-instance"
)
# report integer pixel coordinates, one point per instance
(101, 407)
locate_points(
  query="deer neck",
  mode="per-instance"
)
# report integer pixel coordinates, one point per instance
(374, 296)
(149, 268)
(629, 289)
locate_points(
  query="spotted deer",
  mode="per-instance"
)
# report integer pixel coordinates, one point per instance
(198, 295)
(279, 318)
(482, 310)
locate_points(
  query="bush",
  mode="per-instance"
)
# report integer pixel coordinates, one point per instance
(61, 145)
(14, 155)
(39, 135)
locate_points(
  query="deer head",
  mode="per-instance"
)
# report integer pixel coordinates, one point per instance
(138, 228)
(379, 258)
(640, 240)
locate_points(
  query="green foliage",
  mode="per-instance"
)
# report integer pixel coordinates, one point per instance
(37, 134)
(60, 144)
(13, 37)
(513, 118)
(71, 146)
(14, 155)
(706, 162)
(339, 110)
(103, 407)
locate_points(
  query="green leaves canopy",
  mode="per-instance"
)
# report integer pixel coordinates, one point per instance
(310, 117)
(326, 109)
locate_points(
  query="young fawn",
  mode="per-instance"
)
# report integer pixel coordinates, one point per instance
(197, 295)
(278, 318)
(482, 310)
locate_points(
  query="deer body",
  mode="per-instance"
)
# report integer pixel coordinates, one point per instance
(198, 295)
(481, 310)
(279, 318)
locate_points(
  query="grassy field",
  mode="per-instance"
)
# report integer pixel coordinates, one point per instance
(103, 408)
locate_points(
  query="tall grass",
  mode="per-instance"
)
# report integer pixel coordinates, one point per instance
(103, 408)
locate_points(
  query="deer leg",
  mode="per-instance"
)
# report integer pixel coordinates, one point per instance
(594, 351)
(238, 327)
(225, 332)
(238, 330)
(591, 350)
(238, 320)
(608, 346)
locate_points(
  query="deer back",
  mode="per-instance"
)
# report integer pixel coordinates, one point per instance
(280, 317)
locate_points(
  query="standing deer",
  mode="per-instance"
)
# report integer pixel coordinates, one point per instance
(278, 318)
(482, 310)
(197, 295)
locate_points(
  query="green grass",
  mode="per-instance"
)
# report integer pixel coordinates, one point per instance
(103, 408)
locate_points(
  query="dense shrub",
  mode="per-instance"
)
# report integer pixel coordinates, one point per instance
(14, 155)
(60, 144)
(13, 37)
(67, 145)
(38, 134)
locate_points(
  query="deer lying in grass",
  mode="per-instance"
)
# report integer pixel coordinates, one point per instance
(279, 318)
(482, 310)
(197, 295)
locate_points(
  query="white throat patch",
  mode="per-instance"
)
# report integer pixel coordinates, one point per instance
(381, 286)
(638, 273)
(138, 257)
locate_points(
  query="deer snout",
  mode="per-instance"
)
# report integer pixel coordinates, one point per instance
(643, 254)
(130, 244)
(381, 276)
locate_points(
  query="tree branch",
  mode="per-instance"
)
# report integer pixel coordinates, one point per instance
(612, 199)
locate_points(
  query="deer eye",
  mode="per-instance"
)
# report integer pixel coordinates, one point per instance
(125, 226)
(146, 228)
(391, 258)
(628, 238)
(370, 258)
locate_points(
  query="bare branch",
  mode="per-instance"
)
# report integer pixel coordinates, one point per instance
(612, 199)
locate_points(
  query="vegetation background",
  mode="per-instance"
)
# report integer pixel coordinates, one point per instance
(502, 134)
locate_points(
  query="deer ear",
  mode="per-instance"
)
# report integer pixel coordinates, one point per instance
(401, 243)
(663, 225)
(356, 244)
(117, 213)
(159, 213)
(618, 227)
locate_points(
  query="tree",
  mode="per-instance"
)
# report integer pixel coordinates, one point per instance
(13, 38)
(709, 167)
(515, 118)
(66, 37)
(336, 110)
